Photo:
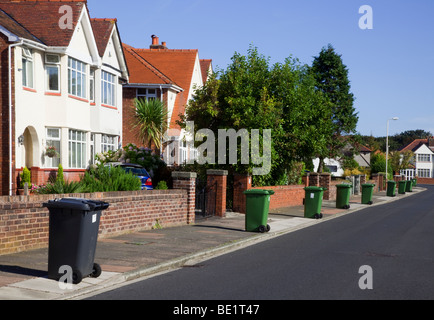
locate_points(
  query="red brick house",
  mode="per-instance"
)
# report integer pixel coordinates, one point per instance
(61, 77)
(166, 74)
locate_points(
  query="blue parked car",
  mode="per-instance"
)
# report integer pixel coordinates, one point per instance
(138, 171)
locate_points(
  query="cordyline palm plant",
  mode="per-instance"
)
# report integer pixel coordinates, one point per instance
(150, 120)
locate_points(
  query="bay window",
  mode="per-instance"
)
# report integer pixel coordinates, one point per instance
(76, 78)
(108, 88)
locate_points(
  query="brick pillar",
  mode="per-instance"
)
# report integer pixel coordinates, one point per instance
(305, 179)
(37, 176)
(362, 180)
(325, 181)
(382, 181)
(187, 181)
(314, 179)
(241, 184)
(217, 183)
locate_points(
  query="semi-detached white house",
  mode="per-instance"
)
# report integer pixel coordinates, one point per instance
(423, 161)
(66, 88)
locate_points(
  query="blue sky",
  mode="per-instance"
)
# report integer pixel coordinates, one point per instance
(391, 66)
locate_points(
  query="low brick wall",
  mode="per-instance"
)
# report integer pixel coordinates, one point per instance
(24, 223)
(286, 196)
(425, 181)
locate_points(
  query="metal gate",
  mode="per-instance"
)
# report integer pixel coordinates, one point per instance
(205, 198)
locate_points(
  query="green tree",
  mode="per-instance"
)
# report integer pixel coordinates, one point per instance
(150, 120)
(331, 77)
(252, 94)
(400, 160)
(378, 164)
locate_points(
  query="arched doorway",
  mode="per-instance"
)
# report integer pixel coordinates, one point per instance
(31, 148)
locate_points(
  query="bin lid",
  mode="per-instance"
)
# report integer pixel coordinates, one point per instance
(368, 185)
(317, 189)
(259, 192)
(344, 185)
(76, 204)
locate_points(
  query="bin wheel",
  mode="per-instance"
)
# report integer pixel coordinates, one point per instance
(268, 228)
(96, 271)
(316, 216)
(77, 277)
(370, 203)
(321, 216)
(262, 229)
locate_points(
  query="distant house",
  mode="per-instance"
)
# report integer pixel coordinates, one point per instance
(362, 156)
(170, 75)
(64, 89)
(423, 161)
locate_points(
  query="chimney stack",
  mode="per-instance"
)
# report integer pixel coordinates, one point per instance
(156, 43)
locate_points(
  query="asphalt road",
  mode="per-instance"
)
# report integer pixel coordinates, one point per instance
(382, 252)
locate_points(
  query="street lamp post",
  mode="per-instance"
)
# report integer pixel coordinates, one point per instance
(387, 144)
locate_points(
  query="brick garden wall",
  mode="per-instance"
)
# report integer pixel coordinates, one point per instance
(425, 181)
(286, 196)
(24, 223)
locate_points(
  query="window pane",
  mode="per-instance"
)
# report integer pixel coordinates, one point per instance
(79, 84)
(74, 83)
(83, 89)
(30, 74)
(53, 78)
(24, 72)
(53, 133)
(91, 90)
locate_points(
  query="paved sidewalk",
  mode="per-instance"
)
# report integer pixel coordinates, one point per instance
(23, 276)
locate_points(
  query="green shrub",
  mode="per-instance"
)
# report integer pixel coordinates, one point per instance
(106, 179)
(162, 185)
(145, 157)
(60, 187)
(60, 178)
(25, 177)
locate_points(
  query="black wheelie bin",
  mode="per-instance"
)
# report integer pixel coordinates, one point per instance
(73, 235)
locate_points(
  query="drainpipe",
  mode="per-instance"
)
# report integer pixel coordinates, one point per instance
(10, 115)
(161, 138)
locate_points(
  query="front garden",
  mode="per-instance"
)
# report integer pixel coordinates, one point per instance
(101, 177)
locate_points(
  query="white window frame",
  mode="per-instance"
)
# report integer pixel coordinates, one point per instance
(77, 149)
(183, 151)
(424, 158)
(92, 85)
(28, 74)
(52, 64)
(79, 69)
(424, 173)
(148, 95)
(109, 143)
(53, 162)
(108, 89)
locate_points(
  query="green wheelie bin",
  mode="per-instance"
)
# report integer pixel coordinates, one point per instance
(409, 186)
(402, 187)
(343, 196)
(257, 206)
(367, 193)
(313, 202)
(391, 188)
